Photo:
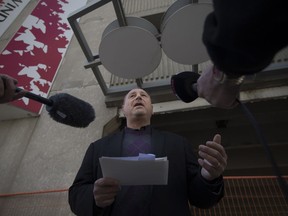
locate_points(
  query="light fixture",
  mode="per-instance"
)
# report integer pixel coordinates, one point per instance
(131, 51)
(181, 32)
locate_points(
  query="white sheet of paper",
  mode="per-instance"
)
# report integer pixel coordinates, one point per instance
(131, 171)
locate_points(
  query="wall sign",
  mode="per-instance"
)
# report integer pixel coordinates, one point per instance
(35, 53)
(9, 10)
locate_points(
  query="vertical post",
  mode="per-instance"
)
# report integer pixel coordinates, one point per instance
(120, 12)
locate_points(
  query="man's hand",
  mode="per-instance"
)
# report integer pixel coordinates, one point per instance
(213, 158)
(7, 89)
(217, 91)
(105, 190)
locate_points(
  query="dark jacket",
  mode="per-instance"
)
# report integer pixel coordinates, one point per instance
(184, 180)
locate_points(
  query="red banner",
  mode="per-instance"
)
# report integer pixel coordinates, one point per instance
(34, 54)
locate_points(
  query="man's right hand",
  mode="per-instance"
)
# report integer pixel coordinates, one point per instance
(105, 190)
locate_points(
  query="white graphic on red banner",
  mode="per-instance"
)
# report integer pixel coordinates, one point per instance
(34, 54)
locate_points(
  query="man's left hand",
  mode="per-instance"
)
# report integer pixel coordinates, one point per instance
(213, 158)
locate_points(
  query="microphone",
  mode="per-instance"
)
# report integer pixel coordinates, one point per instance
(65, 108)
(184, 85)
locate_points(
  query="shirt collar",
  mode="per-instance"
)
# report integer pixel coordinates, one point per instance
(143, 129)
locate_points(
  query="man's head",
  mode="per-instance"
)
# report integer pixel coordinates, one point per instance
(137, 107)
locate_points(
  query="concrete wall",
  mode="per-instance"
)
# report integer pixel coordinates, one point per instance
(38, 154)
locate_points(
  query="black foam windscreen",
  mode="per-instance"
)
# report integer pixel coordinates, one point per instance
(70, 110)
(182, 85)
(65, 108)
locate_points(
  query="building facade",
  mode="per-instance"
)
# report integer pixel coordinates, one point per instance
(39, 157)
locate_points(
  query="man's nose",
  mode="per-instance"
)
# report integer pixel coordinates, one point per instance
(138, 97)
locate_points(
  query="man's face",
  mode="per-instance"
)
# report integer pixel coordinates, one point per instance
(137, 103)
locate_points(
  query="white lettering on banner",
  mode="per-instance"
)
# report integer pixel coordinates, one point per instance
(9, 10)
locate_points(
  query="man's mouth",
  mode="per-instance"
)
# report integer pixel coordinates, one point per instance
(138, 104)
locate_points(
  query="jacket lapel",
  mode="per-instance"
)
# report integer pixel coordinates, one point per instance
(157, 141)
(113, 148)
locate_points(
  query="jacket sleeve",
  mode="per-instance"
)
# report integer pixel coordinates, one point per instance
(202, 193)
(242, 37)
(81, 199)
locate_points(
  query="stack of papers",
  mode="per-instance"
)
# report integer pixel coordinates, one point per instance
(144, 169)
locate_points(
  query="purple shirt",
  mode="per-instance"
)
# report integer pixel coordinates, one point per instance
(134, 200)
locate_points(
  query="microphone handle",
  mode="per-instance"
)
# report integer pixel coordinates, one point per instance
(36, 97)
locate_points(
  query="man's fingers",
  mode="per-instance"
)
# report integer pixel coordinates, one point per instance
(104, 203)
(105, 190)
(10, 84)
(213, 151)
(106, 186)
(215, 146)
(217, 138)
(211, 160)
(7, 88)
(107, 181)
